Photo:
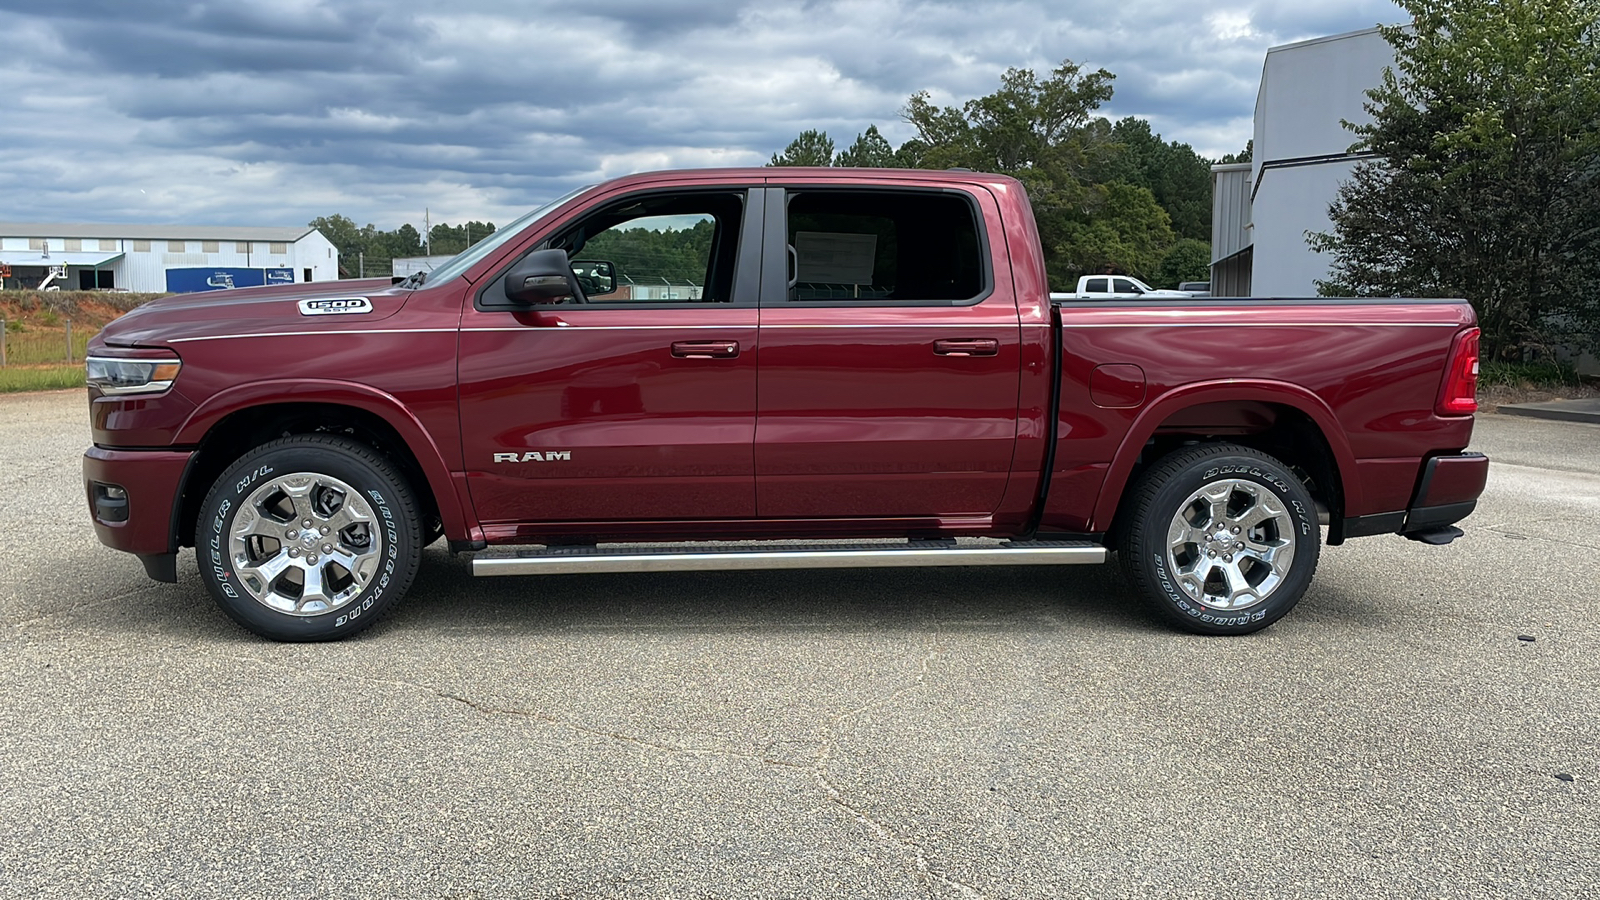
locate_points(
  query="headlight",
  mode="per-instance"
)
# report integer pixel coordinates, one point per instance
(131, 376)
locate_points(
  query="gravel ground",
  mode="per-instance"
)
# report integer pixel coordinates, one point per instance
(940, 733)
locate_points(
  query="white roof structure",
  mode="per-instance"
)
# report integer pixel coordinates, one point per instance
(157, 232)
(59, 257)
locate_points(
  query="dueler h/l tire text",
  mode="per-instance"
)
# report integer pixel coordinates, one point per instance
(1220, 539)
(308, 538)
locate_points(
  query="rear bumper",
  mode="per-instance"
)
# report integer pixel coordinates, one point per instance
(1447, 492)
(145, 522)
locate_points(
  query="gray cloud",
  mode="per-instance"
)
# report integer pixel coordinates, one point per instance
(138, 110)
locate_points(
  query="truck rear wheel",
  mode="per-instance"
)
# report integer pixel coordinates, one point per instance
(308, 538)
(1220, 539)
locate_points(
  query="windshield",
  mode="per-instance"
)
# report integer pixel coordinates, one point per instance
(465, 259)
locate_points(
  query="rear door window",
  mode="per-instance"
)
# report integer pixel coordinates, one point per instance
(884, 247)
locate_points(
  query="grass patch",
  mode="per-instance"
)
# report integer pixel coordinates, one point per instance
(1547, 376)
(39, 378)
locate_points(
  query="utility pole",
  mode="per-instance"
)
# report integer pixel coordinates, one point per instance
(427, 234)
(362, 256)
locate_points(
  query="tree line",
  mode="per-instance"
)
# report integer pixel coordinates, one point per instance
(1108, 196)
(367, 247)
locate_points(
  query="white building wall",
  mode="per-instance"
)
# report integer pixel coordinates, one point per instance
(1289, 203)
(145, 271)
(1302, 151)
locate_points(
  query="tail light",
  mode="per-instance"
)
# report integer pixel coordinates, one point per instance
(1459, 396)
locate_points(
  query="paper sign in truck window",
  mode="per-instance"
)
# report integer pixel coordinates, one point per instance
(828, 258)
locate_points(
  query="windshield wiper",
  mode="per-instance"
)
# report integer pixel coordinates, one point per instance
(414, 280)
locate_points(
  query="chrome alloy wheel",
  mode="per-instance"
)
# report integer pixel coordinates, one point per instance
(305, 544)
(1230, 544)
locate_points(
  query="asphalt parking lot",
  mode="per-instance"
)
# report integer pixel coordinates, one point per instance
(941, 733)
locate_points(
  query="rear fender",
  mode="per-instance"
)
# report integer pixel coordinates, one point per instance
(1174, 401)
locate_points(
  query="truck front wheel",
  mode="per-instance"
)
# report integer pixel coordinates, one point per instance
(308, 538)
(1220, 539)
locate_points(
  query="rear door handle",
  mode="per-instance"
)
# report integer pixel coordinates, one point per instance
(705, 349)
(967, 347)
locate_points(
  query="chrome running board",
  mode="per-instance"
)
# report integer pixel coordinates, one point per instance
(820, 555)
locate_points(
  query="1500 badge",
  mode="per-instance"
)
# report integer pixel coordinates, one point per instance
(335, 306)
(534, 456)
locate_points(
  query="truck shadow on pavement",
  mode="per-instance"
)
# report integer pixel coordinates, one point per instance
(446, 598)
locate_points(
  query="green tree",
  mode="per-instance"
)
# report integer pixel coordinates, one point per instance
(1486, 177)
(1179, 178)
(871, 150)
(1243, 156)
(1187, 260)
(346, 237)
(1129, 232)
(1039, 131)
(811, 148)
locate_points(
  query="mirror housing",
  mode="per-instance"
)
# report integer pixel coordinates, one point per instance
(543, 276)
(596, 277)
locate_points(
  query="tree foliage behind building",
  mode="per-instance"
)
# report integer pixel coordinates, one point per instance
(369, 249)
(1485, 180)
(1106, 195)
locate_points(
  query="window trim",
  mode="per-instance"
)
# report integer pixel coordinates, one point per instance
(775, 295)
(746, 260)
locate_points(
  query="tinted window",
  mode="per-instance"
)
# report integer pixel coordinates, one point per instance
(883, 246)
(1097, 286)
(1123, 286)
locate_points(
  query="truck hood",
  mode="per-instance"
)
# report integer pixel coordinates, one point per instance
(262, 310)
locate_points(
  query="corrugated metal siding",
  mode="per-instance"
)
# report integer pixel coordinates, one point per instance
(1230, 210)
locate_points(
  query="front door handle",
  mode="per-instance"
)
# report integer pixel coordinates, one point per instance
(705, 349)
(967, 347)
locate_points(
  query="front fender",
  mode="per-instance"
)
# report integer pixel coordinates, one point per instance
(455, 517)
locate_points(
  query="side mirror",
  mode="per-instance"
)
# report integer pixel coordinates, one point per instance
(543, 276)
(595, 276)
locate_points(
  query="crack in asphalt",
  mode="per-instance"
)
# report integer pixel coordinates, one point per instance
(818, 767)
(1505, 529)
(837, 796)
(89, 604)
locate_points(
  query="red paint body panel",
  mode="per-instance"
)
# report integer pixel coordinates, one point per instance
(650, 435)
(151, 478)
(829, 421)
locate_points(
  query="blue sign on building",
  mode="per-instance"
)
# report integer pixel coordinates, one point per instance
(223, 278)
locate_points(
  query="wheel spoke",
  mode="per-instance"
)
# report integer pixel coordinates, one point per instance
(1216, 499)
(359, 563)
(315, 591)
(347, 515)
(251, 523)
(1263, 510)
(298, 489)
(268, 570)
(1238, 585)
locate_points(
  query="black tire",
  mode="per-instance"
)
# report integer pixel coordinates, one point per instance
(1166, 577)
(387, 537)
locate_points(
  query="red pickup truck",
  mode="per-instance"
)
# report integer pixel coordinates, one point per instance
(769, 368)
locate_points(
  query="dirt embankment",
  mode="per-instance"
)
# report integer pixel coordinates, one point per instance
(48, 309)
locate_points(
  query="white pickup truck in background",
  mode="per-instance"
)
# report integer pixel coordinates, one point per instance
(1119, 287)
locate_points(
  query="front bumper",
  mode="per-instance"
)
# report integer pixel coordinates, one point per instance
(145, 522)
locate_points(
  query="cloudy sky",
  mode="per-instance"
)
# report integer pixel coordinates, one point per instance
(256, 113)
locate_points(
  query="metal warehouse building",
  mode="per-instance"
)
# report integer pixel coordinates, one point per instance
(158, 258)
(1261, 210)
